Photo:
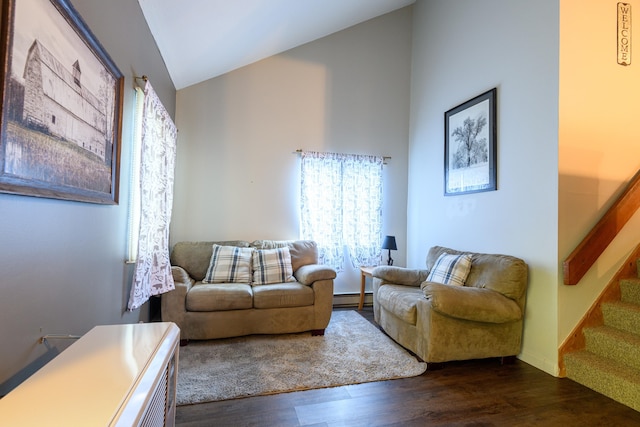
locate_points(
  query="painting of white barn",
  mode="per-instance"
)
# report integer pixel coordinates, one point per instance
(56, 100)
(62, 106)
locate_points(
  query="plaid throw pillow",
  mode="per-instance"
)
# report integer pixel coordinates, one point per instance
(272, 266)
(450, 269)
(229, 264)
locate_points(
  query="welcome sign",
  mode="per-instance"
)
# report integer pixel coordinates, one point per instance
(624, 34)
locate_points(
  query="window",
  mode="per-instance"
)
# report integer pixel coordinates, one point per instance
(341, 206)
(134, 181)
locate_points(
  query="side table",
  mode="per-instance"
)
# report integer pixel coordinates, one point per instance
(364, 273)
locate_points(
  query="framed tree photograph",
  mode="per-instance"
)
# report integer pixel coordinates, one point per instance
(470, 146)
(61, 118)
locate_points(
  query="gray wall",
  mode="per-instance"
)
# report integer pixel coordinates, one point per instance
(462, 49)
(62, 267)
(237, 176)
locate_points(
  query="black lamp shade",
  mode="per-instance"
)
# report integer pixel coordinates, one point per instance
(389, 242)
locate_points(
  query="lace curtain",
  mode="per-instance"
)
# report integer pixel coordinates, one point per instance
(341, 206)
(152, 274)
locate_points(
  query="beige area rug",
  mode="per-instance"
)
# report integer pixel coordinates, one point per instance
(352, 351)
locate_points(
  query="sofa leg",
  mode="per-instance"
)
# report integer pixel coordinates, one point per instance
(507, 360)
(317, 332)
(184, 343)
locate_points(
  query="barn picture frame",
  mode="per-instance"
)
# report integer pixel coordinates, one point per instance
(61, 117)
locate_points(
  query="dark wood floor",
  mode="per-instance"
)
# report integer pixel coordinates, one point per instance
(472, 393)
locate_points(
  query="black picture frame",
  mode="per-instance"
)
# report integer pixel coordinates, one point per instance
(470, 140)
(61, 117)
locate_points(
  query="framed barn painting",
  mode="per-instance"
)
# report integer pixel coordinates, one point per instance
(470, 146)
(61, 115)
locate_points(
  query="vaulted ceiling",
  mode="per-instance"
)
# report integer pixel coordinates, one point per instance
(202, 39)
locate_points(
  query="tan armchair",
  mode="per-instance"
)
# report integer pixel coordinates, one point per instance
(442, 322)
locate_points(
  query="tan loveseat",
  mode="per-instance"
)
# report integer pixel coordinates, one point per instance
(220, 310)
(442, 322)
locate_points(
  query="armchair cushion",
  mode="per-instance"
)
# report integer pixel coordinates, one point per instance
(400, 300)
(501, 273)
(450, 269)
(229, 264)
(469, 303)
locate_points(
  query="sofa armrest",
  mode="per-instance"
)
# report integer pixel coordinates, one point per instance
(469, 303)
(307, 274)
(173, 303)
(181, 276)
(400, 275)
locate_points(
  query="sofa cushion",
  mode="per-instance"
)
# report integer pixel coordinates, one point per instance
(400, 300)
(272, 266)
(450, 269)
(194, 257)
(303, 252)
(229, 264)
(282, 295)
(219, 297)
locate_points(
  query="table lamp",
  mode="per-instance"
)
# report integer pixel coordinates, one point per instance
(389, 243)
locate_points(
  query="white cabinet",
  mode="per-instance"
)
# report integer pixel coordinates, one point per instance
(116, 375)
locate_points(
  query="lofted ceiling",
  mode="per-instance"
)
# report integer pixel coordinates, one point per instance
(202, 39)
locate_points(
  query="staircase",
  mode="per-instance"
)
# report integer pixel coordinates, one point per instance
(609, 361)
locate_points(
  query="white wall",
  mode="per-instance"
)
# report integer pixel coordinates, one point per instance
(461, 49)
(237, 176)
(62, 262)
(599, 132)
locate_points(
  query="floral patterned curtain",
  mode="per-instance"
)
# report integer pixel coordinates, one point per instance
(341, 206)
(152, 274)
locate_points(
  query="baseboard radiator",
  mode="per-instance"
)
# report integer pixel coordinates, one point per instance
(351, 300)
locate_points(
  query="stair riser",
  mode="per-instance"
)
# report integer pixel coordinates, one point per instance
(618, 388)
(612, 347)
(630, 289)
(622, 318)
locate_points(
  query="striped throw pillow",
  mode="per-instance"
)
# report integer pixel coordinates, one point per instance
(272, 266)
(229, 264)
(450, 269)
